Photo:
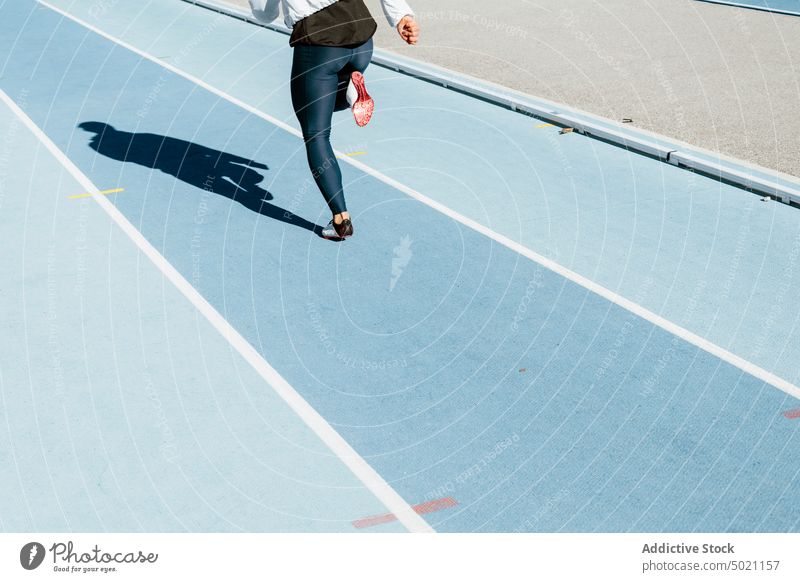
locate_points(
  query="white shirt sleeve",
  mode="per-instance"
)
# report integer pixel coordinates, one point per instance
(395, 10)
(265, 10)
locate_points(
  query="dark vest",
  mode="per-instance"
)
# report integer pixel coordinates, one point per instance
(346, 23)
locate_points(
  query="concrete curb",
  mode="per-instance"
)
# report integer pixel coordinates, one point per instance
(762, 181)
(751, 7)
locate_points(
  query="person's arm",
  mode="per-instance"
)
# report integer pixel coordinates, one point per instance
(401, 17)
(265, 10)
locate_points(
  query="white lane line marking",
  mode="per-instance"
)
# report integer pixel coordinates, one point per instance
(657, 320)
(365, 473)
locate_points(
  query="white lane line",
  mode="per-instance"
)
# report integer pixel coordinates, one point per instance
(636, 309)
(365, 473)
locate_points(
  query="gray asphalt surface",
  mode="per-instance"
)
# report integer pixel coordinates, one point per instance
(723, 78)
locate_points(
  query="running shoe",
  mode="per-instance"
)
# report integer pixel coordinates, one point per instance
(360, 102)
(338, 231)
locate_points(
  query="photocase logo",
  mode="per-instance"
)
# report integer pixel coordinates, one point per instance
(402, 256)
(31, 555)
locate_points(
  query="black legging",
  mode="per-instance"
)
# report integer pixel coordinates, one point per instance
(320, 75)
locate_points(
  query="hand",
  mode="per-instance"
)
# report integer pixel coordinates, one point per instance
(408, 29)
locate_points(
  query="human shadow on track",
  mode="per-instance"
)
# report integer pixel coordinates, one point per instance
(211, 170)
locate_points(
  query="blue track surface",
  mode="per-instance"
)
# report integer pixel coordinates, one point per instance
(120, 405)
(453, 365)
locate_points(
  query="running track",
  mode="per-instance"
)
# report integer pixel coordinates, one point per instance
(546, 329)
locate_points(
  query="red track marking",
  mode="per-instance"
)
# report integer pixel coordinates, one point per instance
(791, 414)
(421, 509)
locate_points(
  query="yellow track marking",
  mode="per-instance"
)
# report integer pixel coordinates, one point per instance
(88, 195)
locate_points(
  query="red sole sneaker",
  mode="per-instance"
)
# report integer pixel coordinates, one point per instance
(364, 105)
